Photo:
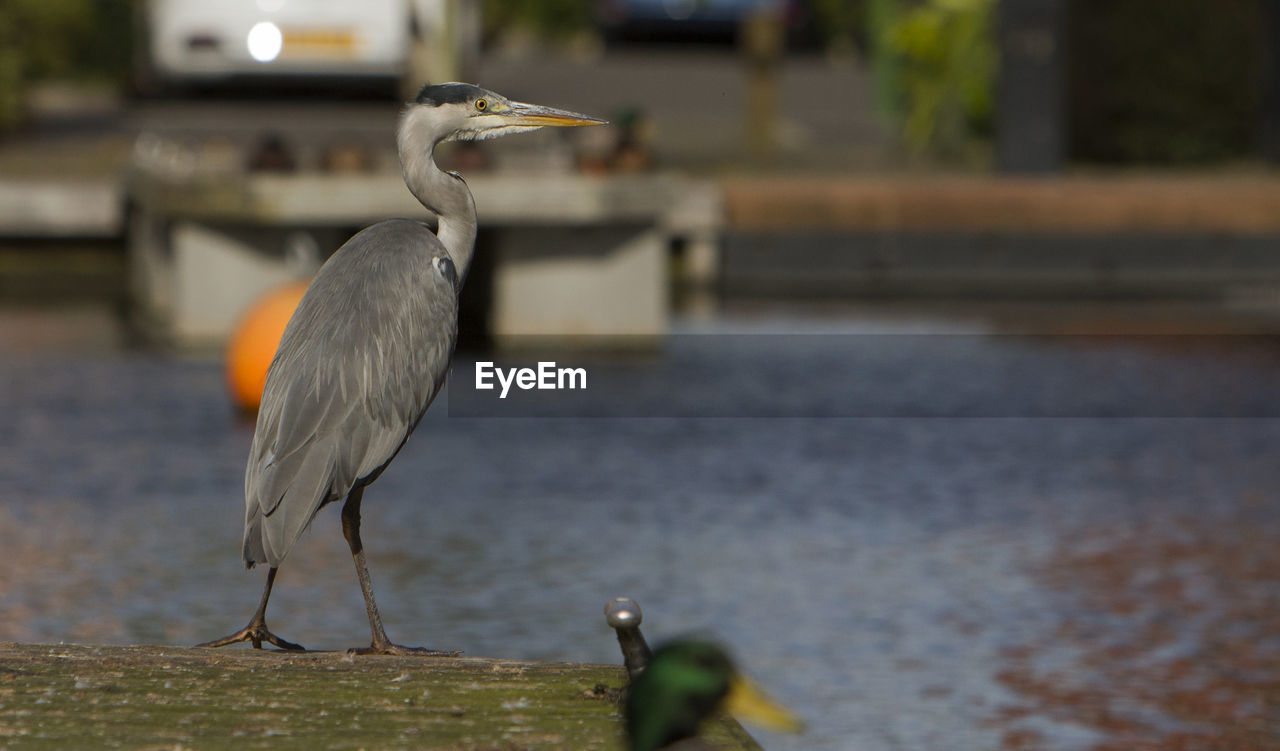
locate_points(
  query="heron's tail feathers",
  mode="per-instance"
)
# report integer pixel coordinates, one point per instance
(253, 550)
(269, 535)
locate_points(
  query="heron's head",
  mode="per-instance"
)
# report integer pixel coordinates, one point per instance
(463, 112)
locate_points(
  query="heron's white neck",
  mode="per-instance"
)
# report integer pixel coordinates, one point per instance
(443, 193)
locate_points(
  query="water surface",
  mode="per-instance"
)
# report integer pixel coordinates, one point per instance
(877, 570)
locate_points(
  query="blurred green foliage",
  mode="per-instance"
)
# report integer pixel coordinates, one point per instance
(85, 40)
(1159, 82)
(838, 20)
(936, 66)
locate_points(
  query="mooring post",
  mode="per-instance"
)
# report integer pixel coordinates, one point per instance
(623, 615)
(1031, 135)
(763, 40)
(1270, 82)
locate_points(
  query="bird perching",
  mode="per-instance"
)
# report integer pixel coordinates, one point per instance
(684, 683)
(368, 348)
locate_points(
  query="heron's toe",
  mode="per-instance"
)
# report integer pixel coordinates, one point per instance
(399, 651)
(255, 633)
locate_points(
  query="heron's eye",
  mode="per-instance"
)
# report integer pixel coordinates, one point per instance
(481, 104)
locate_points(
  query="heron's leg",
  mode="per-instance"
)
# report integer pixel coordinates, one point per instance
(380, 644)
(256, 631)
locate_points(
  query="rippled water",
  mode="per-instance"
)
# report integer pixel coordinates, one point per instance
(871, 571)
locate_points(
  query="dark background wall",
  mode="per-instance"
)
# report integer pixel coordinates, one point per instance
(1166, 81)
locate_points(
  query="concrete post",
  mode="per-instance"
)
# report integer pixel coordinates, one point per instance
(763, 41)
(1031, 100)
(1269, 115)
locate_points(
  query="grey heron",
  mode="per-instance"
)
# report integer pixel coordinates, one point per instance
(368, 347)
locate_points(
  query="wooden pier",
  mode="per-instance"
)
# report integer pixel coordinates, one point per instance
(572, 255)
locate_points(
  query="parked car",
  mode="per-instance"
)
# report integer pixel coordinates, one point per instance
(689, 19)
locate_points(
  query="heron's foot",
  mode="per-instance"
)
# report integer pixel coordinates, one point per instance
(399, 651)
(257, 633)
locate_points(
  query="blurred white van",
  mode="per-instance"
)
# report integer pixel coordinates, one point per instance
(198, 41)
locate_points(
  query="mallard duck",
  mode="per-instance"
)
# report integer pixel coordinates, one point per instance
(684, 683)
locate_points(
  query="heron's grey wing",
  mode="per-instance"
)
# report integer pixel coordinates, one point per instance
(360, 361)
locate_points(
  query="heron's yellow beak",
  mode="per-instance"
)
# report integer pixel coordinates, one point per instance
(536, 115)
(747, 701)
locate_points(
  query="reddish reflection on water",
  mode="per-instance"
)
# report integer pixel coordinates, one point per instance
(1171, 635)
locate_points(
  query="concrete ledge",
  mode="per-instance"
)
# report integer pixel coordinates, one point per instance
(318, 199)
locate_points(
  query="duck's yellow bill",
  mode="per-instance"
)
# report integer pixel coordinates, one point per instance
(747, 701)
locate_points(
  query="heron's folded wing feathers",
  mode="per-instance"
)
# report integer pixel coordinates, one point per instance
(356, 369)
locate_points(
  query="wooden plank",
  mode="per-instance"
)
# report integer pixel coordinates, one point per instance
(75, 696)
(1073, 205)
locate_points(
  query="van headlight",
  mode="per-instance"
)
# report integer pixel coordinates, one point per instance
(265, 41)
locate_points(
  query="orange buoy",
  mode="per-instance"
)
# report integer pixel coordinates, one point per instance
(254, 341)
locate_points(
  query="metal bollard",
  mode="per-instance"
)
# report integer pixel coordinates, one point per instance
(624, 616)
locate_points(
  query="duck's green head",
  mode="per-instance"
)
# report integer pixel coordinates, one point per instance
(684, 683)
